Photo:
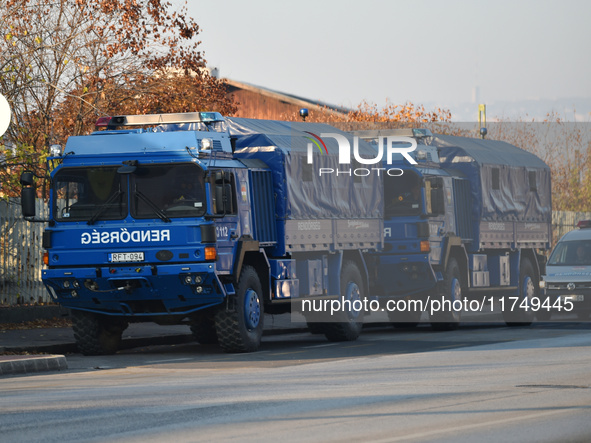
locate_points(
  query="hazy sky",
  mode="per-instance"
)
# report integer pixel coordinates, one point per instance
(425, 51)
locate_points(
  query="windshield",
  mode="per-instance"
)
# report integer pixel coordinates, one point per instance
(571, 253)
(162, 191)
(169, 190)
(402, 194)
(82, 193)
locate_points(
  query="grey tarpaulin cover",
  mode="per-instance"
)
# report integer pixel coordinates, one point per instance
(300, 192)
(508, 183)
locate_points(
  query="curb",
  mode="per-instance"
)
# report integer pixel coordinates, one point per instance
(27, 364)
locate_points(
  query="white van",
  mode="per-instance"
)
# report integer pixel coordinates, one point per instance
(567, 283)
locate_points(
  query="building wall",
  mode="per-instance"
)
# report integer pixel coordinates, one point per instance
(255, 105)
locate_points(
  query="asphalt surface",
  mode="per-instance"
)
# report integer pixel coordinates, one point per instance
(24, 351)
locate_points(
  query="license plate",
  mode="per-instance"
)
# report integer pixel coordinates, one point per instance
(574, 297)
(118, 257)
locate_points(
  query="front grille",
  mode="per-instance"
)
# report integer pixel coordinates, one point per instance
(564, 286)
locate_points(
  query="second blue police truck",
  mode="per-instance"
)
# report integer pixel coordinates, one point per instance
(470, 220)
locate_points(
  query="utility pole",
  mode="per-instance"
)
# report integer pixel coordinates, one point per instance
(482, 120)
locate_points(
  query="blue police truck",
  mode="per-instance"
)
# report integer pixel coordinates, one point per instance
(194, 218)
(470, 220)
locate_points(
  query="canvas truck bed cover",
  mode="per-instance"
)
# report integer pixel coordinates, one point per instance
(300, 191)
(508, 183)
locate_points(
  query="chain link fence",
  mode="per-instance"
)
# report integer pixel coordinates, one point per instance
(21, 255)
(565, 221)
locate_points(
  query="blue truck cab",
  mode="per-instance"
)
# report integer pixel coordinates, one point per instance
(198, 219)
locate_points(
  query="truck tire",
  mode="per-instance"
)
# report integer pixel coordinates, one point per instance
(528, 284)
(349, 324)
(203, 329)
(95, 334)
(241, 329)
(446, 319)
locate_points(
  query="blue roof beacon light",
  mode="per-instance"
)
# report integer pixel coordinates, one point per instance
(304, 113)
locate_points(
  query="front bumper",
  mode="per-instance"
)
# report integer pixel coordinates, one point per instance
(576, 300)
(136, 290)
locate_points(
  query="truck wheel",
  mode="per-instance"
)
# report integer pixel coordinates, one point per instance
(528, 284)
(349, 324)
(203, 329)
(96, 335)
(446, 318)
(241, 329)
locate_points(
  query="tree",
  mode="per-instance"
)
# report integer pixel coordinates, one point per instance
(368, 115)
(64, 63)
(564, 146)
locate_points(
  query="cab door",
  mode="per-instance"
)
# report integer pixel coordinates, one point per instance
(227, 227)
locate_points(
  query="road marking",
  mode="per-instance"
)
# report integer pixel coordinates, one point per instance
(169, 360)
(456, 345)
(320, 346)
(287, 353)
(420, 435)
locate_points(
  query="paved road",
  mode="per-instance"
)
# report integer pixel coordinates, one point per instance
(481, 383)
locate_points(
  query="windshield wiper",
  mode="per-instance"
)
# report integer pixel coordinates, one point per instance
(152, 205)
(104, 206)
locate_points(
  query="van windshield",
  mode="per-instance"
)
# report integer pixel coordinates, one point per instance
(571, 253)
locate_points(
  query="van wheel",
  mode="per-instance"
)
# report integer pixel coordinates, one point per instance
(96, 334)
(528, 284)
(241, 329)
(448, 319)
(348, 324)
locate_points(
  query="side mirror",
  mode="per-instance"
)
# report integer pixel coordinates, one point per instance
(27, 179)
(437, 201)
(223, 199)
(222, 177)
(28, 195)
